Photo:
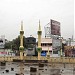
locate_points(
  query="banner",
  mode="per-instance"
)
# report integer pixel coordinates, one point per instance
(55, 27)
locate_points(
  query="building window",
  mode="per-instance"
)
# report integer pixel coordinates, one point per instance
(33, 41)
(1, 41)
(45, 44)
(27, 40)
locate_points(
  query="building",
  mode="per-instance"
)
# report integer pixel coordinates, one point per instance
(49, 43)
(30, 45)
(2, 42)
(69, 51)
(45, 44)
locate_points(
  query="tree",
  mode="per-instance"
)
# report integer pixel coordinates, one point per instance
(7, 45)
(15, 43)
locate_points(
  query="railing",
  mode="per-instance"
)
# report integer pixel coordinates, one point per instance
(9, 58)
(51, 59)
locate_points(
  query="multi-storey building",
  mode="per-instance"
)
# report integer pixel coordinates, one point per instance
(30, 45)
(46, 43)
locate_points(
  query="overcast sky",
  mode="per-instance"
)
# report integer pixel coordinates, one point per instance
(30, 11)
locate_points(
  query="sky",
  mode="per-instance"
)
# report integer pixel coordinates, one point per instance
(12, 12)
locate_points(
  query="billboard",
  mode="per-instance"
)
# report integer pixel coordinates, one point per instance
(56, 45)
(55, 27)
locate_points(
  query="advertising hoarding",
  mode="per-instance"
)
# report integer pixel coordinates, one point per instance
(56, 45)
(56, 42)
(55, 27)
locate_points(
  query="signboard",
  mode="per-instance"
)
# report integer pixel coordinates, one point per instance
(43, 54)
(30, 51)
(55, 27)
(3, 52)
(56, 44)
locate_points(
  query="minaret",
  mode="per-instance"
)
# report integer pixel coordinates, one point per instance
(21, 48)
(39, 49)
